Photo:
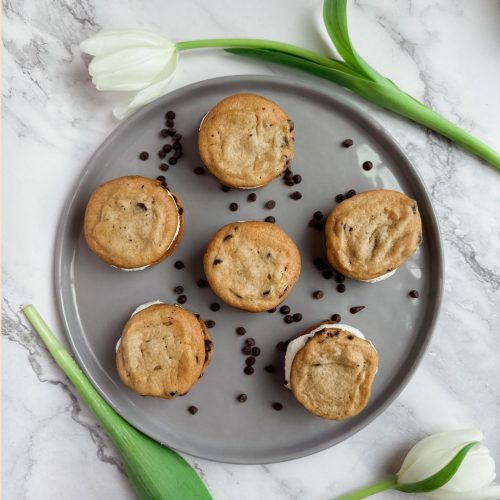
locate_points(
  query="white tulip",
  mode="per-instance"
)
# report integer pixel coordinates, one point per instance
(473, 479)
(131, 60)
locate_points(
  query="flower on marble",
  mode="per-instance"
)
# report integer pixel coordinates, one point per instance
(131, 61)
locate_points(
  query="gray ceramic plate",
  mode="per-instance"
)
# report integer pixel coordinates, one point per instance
(95, 299)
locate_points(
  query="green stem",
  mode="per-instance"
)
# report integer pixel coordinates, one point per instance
(255, 43)
(373, 489)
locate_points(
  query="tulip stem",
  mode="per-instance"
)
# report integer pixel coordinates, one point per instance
(373, 489)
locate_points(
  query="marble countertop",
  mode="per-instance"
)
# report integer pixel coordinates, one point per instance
(445, 53)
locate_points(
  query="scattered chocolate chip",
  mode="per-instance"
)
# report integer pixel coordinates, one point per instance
(182, 299)
(284, 309)
(297, 179)
(177, 137)
(336, 317)
(179, 289)
(233, 207)
(347, 143)
(356, 309)
(246, 350)
(215, 307)
(320, 263)
(288, 319)
(414, 294)
(170, 115)
(169, 123)
(318, 215)
(193, 410)
(296, 195)
(201, 283)
(277, 406)
(281, 346)
(340, 198)
(270, 219)
(255, 351)
(171, 131)
(367, 165)
(240, 330)
(161, 178)
(248, 370)
(339, 278)
(341, 288)
(161, 154)
(350, 193)
(144, 156)
(167, 148)
(172, 161)
(250, 361)
(289, 182)
(164, 132)
(225, 188)
(271, 311)
(199, 170)
(179, 264)
(270, 204)
(270, 368)
(327, 274)
(163, 167)
(242, 398)
(209, 323)
(180, 210)
(217, 262)
(318, 294)
(252, 197)
(250, 341)
(297, 317)
(177, 146)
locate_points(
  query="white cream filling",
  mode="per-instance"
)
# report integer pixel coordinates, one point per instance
(380, 278)
(139, 309)
(297, 344)
(177, 229)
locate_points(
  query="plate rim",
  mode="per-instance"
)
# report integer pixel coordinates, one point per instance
(359, 114)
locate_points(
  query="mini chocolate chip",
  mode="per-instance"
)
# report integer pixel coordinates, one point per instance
(233, 207)
(288, 319)
(297, 317)
(161, 154)
(171, 131)
(339, 278)
(246, 350)
(182, 299)
(250, 361)
(240, 330)
(320, 263)
(318, 294)
(270, 368)
(144, 156)
(179, 289)
(161, 178)
(414, 294)
(347, 143)
(142, 206)
(225, 188)
(215, 307)
(177, 137)
(172, 161)
(341, 288)
(350, 193)
(340, 198)
(163, 167)
(271, 311)
(356, 309)
(281, 346)
(318, 215)
(248, 370)
(179, 264)
(201, 283)
(242, 398)
(164, 132)
(255, 351)
(270, 219)
(170, 115)
(296, 195)
(284, 309)
(289, 183)
(172, 393)
(327, 274)
(180, 210)
(336, 317)
(209, 323)
(297, 179)
(250, 341)
(217, 262)
(177, 146)
(252, 197)
(266, 292)
(270, 204)
(367, 165)
(277, 406)
(193, 410)
(350, 337)
(169, 123)
(199, 170)
(167, 148)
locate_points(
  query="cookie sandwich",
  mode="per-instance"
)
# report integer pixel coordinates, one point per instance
(330, 370)
(252, 265)
(163, 350)
(371, 234)
(133, 222)
(246, 141)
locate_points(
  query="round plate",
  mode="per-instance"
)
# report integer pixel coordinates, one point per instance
(96, 300)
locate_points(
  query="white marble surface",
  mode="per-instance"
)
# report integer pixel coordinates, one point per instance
(445, 52)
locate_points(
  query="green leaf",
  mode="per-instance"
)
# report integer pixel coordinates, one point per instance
(384, 94)
(441, 477)
(154, 471)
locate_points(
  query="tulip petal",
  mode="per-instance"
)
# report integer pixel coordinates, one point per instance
(107, 42)
(491, 492)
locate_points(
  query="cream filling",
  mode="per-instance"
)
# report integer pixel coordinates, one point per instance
(177, 229)
(139, 309)
(380, 278)
(297, 344)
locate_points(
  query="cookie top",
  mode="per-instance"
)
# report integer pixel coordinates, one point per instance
(372, 233)
(252, 265)
(164, 350)
(332, 374)
(246, 141)
(133, 221)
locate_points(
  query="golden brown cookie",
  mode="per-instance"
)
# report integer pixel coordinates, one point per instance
(246, 141)
(133, 222)
(332, 374)
(252, 265)
(163, 351)
(372, 233)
